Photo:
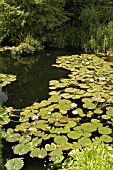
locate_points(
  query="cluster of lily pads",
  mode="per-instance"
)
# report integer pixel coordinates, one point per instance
(79, 109)
(4, 117)
(6, 79)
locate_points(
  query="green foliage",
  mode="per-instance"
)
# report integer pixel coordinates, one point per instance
(14, 164)
(1, 161)
(31, 25)
(4, 117)
(94, 156)
(30, 22)
(72, 116)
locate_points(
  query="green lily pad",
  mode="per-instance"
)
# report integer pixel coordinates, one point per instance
(36, 141)
(89, 105)
(104, 130)
(22, 126)
(106, 138)
(66, 146)
(50, 147)
(71, 124)
(21, 149)
(76, 145)
(13, 137)
(86, 134)
(71, 90)
(95, 121)
(16, 163)
(64, 108)
(78, 111)
(74, 135)
(98, 111)
(86, 100)
(54, 99)
(4, 120)
(66, 95)
(110, 112)
(24, 139)
(84, 141)
(56, 154)
(106, 117)
(60, 140)
(89, 127)
(40, 153)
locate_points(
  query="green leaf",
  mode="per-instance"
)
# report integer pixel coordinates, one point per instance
(89, 127)
(104, 130)
(14, 164)
(60, 140)
(106, 138)
(74, 135)
(84, 141)
(21, 149)
(40, 153)
(50, 147)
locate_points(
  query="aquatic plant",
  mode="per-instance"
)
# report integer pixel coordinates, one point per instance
(14, 164)
(4, 117)
(94, 156)
(1, 161)
(78, 110)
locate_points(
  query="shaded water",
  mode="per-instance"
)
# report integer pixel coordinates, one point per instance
(32, 84)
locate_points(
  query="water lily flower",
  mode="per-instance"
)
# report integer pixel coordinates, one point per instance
(35, 118)
(25, 131)
(87, 62)
(91, 80)
(101, 78)
(49, 113)
(74, 105)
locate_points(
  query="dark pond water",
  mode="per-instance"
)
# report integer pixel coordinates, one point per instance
(32, 84)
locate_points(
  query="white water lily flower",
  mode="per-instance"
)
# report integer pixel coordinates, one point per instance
(102, 78)
(87, 62)
(91, 80)
(49, 113)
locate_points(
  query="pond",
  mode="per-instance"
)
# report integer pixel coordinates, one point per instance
(32, 84)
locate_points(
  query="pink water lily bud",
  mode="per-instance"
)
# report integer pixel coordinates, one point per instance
(74, 105)
(35, 118)
(25, 131)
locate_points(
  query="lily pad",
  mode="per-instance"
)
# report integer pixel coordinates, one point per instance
(84, 141)
(16, 163)
(106, 138)
(89, 127)
(76, 145)
(60, 140)
(104, 130)
(89, 105)
(21, 149)
(98, 111)
(40, 153)
(50, 147)
(74, 135)
(13, 137)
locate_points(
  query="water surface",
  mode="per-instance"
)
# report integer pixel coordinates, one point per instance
(32, 84)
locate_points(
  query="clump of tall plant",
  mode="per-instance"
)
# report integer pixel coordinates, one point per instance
(95, 156)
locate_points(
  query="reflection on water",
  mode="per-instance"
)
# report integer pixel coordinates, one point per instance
(3, 97)
(33, 76)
